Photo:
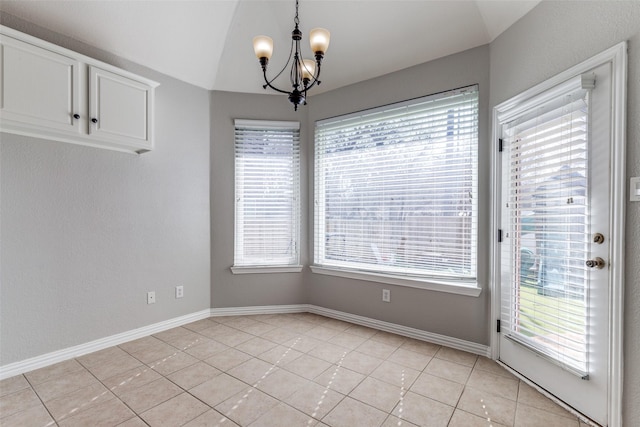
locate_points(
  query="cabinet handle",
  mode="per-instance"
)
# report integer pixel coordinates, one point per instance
(76, 116)
(94, 120)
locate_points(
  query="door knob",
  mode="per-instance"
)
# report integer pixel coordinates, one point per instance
(76, 116)
(598, 238)
(595, 263)
(94, 120)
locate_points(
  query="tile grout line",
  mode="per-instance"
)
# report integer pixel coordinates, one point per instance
(300, 328)
(41, 402)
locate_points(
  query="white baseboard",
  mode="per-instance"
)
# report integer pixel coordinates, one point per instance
(406, 331)
(16, 368)
(37, 362)
(259, 309)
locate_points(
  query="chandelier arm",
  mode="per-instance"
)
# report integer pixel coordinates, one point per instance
(295, 75)
(279, 73)
(268, 84)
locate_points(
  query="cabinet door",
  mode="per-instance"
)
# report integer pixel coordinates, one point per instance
(38, 89)
(120, 109)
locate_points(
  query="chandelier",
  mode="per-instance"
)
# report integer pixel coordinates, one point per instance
(304, 72)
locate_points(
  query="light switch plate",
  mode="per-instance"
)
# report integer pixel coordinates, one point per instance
(634, 189)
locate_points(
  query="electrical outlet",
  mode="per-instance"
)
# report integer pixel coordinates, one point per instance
(151, 297)
(634, 189)
(386, 295)
(179, 291)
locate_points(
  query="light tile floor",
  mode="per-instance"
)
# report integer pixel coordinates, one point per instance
(281, 370)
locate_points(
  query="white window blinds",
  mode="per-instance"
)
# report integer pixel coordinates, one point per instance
(396, 188)
(267, 184)
(548, 219)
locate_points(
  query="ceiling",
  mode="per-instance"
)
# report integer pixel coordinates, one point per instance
(208, 43)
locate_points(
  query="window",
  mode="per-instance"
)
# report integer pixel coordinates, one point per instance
(267, 209)
(396, 190)
(547, 217)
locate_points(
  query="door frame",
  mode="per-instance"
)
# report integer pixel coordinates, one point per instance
(617, 56)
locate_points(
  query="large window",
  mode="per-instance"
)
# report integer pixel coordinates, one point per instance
(396, 189)
(267, 170)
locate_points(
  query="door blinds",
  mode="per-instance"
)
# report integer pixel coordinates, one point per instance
(267, 184)
(396, 188)
(546, 166)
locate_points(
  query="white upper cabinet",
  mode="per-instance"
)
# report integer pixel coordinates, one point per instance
(39, 87)
(53, 93)
(119, 108)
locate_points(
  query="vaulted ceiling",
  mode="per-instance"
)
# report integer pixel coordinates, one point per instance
(208, 43)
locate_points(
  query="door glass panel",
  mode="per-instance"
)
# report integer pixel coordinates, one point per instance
(548, 230)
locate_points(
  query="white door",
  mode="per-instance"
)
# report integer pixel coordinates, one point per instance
(119, 108)
(556, 233)
(38, 88)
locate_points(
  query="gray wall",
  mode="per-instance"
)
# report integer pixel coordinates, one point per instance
(458, 316)
(241, 290)
(86, 232)
(551, 38)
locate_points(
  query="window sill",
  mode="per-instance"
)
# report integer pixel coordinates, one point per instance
(452, 287)
(267, 269)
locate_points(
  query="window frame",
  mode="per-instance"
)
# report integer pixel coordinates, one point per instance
(266, 267)
(450, 284)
